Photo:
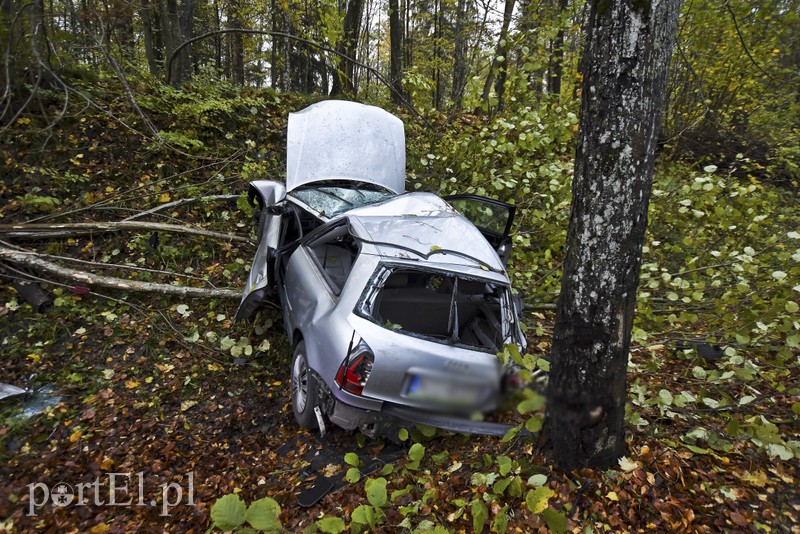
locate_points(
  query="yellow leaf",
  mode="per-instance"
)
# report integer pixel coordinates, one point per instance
(164, 198)
(277, 383)
(131, 384)
(75, 436)
(185, 405)
(106, 464)
(613, 496)
(99, 529)
(214, 367)
(626, 465)
(758, 479)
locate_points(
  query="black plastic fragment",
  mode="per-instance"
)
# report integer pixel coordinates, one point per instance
(310, 496)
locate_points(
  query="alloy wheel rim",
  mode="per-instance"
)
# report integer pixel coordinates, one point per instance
(300, 383)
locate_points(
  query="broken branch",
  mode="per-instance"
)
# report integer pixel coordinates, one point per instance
(32, 260)
(39, 230)
(179, 202)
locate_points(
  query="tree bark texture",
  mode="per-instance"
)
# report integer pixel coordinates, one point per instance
(625, 60)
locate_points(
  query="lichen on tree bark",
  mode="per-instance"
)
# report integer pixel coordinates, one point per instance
(624, 65)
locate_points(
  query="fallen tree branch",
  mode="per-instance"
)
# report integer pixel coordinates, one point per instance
(179, 202)
(32, 260)
(36, 231)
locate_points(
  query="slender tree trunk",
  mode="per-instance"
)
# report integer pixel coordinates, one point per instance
(166, 34)
(460, 54)
(124, 33)
(237, 44)
(186, 32)
(38, 38)
(501, 51)
(437, 37)
(274, 67)
(344, 83)
(625, 61)
(396, 52)
(557, 54)
(147, 32)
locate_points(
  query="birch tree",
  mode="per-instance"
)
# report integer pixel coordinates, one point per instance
(625, 60)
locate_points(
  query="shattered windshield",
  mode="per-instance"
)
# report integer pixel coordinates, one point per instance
(442, 307)
(331, 200)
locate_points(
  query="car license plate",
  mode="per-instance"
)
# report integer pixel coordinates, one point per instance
(436, 389)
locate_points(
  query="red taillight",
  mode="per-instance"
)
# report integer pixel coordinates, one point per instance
(354, 372)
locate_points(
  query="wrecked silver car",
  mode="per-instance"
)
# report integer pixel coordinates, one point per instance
(395, 303)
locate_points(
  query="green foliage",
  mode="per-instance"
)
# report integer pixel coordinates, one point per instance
(39, 203)
(331, 525)
(415, 454)
(230, 512)
(376, 492)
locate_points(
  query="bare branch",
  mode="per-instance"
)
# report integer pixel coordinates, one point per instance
(179, 202)
(34, 261)
(37, 231)
(309, 42)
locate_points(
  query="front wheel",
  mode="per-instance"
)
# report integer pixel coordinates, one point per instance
(304, 389)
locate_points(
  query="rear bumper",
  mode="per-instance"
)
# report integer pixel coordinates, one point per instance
(449, 422)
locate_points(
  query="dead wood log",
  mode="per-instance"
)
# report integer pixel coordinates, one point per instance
(41, 230)
(33, 261)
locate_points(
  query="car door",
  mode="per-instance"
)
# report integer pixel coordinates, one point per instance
(492, 217)
(267, 197)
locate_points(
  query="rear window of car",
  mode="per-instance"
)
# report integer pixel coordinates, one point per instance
(440, 306)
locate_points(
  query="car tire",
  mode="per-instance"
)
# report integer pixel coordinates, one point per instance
(304, 389)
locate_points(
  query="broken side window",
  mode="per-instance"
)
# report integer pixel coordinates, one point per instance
(441, 306)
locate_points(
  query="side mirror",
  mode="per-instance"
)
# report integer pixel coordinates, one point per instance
(504, 250)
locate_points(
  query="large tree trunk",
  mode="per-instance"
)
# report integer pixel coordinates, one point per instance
(625, 60)
(396, 52)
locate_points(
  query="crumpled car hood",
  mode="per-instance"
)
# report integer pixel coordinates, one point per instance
(339, 140)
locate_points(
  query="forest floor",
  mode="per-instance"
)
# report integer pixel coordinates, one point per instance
(137, 403)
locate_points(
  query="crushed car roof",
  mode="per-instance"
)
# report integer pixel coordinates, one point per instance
(421, 226)
(340, 140)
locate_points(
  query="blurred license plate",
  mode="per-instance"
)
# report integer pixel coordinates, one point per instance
(422, 387)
